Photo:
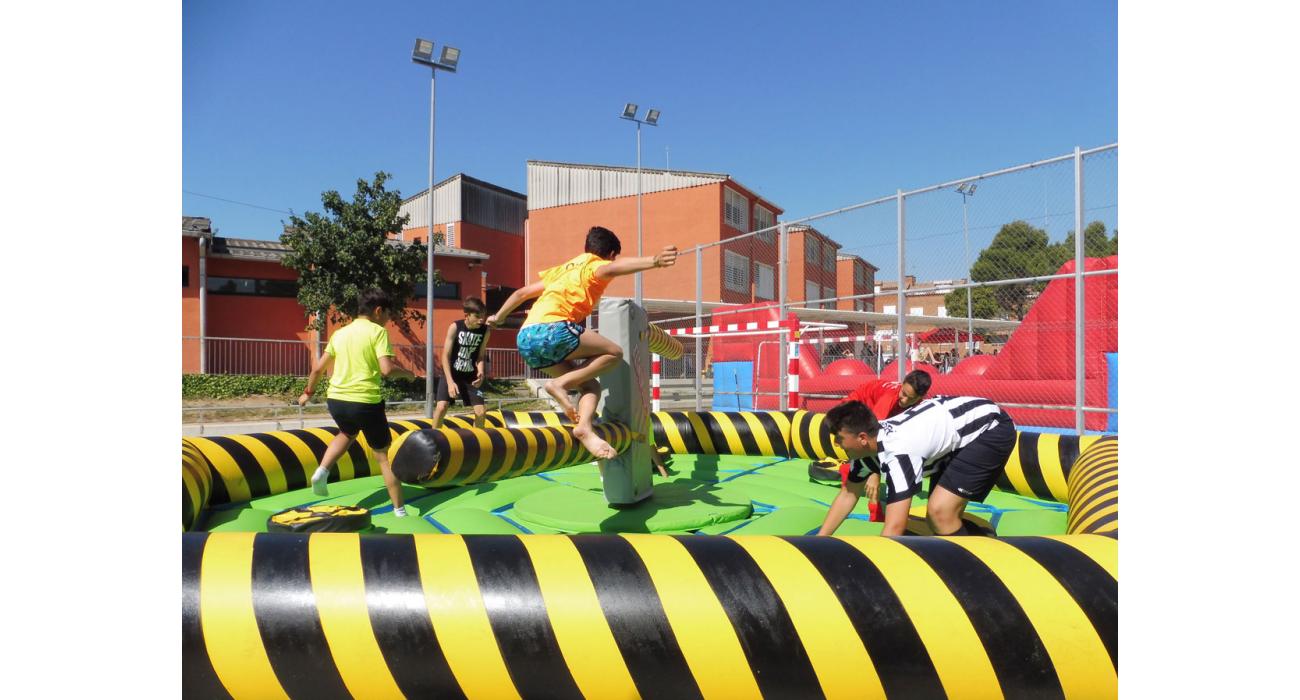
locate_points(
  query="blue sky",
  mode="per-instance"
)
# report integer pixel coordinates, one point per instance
(814, 108)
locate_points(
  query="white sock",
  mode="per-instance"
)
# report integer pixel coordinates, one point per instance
(318, 482)
(399, 511)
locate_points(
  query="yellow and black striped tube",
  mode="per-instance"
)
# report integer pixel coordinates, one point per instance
(810, 438)
(662, 344)
(1039, 466)
(453, 457)
(1094, 490)
(250, 466)
(757, 433)
(628, 616)
(196, 484)
(528, 419)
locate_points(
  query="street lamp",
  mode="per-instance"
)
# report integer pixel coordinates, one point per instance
(651, 118)
(447, 60)
(967, 189)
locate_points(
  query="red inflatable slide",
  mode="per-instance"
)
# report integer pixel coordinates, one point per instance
(1036, 366)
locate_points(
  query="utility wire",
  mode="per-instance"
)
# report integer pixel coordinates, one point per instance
(232, 201)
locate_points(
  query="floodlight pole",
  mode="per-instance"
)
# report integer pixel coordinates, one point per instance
(429, 282)
(637, 291)
(450, 57)
(652, 118)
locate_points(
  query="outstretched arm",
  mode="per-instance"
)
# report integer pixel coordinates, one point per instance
(323, 365)
(841, 507)
(627, 266)
(519, 296)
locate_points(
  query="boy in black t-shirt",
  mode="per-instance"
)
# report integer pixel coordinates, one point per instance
(463, 365)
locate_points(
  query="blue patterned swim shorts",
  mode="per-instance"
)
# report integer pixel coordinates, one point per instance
(546, 344)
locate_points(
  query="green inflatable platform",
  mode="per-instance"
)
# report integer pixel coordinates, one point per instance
(703, 494)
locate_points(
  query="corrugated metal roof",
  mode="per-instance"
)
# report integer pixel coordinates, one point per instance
(553, 184)
(273, 251)
(469, 199)
(196, 224)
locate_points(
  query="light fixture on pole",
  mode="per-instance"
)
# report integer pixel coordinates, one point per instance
(447, 60)
(967, 189)
(652, 119)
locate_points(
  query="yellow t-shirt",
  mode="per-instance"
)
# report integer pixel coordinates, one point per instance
(572, 289)
(357, 348)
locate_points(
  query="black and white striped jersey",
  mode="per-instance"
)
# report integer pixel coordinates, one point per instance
(913, 442)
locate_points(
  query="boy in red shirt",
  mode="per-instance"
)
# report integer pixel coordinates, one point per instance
(885, 399)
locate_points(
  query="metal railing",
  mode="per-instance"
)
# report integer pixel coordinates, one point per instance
(295, 357)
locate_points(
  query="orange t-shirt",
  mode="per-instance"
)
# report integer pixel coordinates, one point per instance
(572, 289)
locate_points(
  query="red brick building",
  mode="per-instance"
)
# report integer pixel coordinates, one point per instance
(236, 288)
(678, 208)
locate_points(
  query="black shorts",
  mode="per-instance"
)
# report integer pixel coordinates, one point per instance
(469, 395)
(971, 471)
(353, 417)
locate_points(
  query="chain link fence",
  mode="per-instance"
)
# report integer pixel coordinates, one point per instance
(973, 279)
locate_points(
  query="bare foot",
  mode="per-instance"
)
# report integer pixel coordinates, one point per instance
(561, 397)
(596, 446)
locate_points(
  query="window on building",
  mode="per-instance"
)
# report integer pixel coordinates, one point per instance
(764, 219)
(829, 293)
(735, 209)
(811, 291)
(185, 275)
(736, 274)
(451, 235)
(943, 311)
(243, 286)
(764, 281)
(446, 290)
(889, 308)
(828, 250)
(916, 311)
(812, 253)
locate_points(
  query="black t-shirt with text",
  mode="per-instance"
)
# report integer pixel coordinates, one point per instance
(465, 349)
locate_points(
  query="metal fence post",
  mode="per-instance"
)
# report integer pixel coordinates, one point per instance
(699, 321)
(783, 263)
(901, 341)
(1078, 292)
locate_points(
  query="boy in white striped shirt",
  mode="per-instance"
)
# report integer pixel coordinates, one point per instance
(961, 442)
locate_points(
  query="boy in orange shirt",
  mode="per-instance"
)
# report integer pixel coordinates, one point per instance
(552, 338)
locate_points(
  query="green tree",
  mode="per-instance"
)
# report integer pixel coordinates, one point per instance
(351, 248)
(1095, 245)
(1018, 250)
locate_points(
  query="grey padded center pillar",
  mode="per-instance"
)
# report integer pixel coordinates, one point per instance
(625, 398)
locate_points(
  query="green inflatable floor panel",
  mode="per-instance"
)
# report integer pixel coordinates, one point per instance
(489, 496)
(238, 520)
(794, 520)
(586, 481)
(465, 521)
(682, 504)
(337, 490)
(528, 525)
(410, 525)
(727, 527)
(1031, 522)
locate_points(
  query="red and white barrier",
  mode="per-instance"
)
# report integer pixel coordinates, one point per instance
(654, 382)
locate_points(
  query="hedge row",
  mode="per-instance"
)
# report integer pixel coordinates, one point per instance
(234, 386)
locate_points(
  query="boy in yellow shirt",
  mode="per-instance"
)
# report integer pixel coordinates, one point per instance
(553, 339)
(358, 357)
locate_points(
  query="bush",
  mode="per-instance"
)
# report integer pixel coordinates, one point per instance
(234, 386)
